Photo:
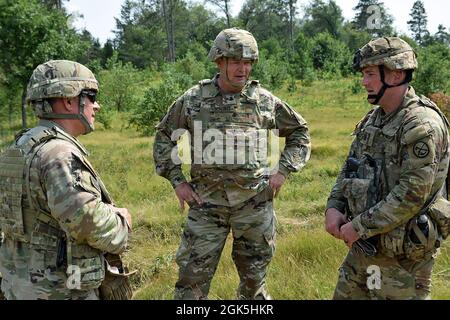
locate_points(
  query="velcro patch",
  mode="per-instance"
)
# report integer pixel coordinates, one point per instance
(421, 149)
(246, 52)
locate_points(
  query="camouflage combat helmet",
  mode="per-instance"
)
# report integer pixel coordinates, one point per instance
(60, 79)
(234, 43)
(391, 52)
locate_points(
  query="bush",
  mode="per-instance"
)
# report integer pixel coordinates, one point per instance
(433, 73)
(331, 56)
(272, 71)
(119, 85)
(156, 102)
(301, 61)
(442, 101)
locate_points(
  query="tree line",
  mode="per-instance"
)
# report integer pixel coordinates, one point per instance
(159, 48)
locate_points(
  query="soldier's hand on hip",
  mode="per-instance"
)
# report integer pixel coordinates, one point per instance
(349, 234)
(185, 193)
(333, 221)
(275, 182)
(124, 213)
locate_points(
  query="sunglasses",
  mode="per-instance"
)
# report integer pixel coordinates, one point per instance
(92, 95)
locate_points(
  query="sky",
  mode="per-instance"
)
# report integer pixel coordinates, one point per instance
(99, 14)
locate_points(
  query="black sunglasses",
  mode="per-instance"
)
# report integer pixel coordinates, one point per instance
(92, 95)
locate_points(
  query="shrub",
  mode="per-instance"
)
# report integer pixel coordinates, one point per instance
(156, 102)
(433, 74)
(330, 56)
(272, 71)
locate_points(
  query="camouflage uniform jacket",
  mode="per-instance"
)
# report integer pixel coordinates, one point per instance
(68, 218)
(410, 151)
(206, 107)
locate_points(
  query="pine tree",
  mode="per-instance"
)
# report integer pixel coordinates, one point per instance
(418, 22)
(442, 36)
(371, 16)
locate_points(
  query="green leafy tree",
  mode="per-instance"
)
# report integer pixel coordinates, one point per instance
(156, 102)
(154, 32)
(353, 38)
(265, 19)
(331, 56)
(118, 85)
(30, 34)
(442, 36)
(140, 35)
(372, 17)
(433, 74)
(322, 17)
(271, 71)
(224, 6)
(418, 22)
(301, 61)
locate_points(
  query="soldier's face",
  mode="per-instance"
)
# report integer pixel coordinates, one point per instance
(90, 109)
(371, 80)
(238, 71)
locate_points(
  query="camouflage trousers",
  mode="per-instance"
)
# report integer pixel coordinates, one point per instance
(2, 296)
(383, 278)
(207, 227)
(24, 279)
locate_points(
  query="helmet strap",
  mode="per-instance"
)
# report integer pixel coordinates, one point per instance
(377, 97)
(88, 126)
(79, 116)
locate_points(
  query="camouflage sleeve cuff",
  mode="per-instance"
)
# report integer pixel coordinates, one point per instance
(336, 204)
(360, 228)
(283, 170)
(176, 179)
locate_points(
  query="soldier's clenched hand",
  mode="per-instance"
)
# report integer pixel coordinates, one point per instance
(275, 182)
(333, 222)
(124, 213)
(185, 193)
(349, 234)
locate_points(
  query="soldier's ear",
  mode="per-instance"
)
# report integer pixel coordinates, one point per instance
(69, 103)
(219, 62)
(398, 76)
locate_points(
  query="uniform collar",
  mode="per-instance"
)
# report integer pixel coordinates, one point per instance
(249, 90)
(53, 125)
(410, 94)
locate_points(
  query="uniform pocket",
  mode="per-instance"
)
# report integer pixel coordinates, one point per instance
(270, 236)
(440, 214)
(88, 267)
(356, 192)
(44, 249)
(392, 243)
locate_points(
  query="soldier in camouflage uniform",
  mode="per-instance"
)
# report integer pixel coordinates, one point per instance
(57, 218)
(224, 195)
(388, 204)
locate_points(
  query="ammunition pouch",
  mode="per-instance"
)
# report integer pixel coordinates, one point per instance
(399, 242)
(116, 285)
(359, 186)
(392, 242)
(85, 267)
(356, 192)
(427, 246)
(439, 211)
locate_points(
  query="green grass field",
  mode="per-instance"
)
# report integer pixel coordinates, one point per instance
(306, 259)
